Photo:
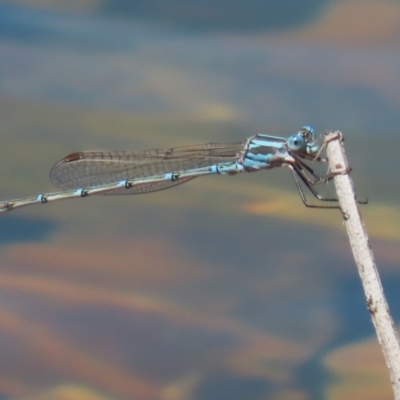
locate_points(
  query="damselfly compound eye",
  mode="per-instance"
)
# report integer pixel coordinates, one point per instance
(297, 143)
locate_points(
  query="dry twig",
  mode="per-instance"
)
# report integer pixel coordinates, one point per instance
(375, 298)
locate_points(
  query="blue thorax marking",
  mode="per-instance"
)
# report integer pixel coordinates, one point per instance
(263, 152)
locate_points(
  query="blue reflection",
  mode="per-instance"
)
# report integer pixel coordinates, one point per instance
(211, 15)
(16, 229)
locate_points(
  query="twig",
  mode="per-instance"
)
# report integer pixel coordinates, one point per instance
(375, 298)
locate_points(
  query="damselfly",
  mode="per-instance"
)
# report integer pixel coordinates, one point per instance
(132, 172)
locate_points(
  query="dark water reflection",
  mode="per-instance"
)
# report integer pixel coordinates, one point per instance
(219, 16)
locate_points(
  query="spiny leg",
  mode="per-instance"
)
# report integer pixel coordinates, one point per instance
(302, 165)
(304, 199)
(298, 168)
(323, 146)
(298, 171)
(319, 179)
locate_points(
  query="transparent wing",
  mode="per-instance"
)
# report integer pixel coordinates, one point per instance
(94, 168)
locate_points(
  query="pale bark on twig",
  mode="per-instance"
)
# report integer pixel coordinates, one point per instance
(375, 298)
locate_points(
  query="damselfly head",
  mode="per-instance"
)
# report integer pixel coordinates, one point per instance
(308, 132)
(303, 142)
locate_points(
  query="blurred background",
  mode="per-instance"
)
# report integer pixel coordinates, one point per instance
(222, 288)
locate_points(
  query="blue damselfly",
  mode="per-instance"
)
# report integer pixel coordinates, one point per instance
(133, 172)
